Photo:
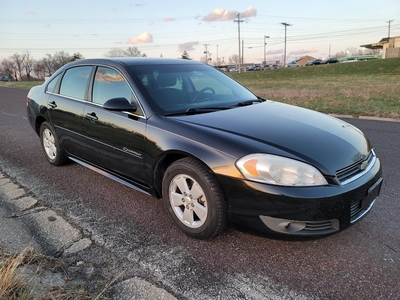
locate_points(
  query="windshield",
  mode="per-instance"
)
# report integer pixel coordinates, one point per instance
(181, 88)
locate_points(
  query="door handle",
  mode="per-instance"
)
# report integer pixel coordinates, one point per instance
(92, 117)
(52, 104)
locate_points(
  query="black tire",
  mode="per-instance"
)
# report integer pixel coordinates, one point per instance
(50, 145)
(198, 207)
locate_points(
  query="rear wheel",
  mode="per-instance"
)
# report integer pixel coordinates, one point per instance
(52, 149)
(193, 199)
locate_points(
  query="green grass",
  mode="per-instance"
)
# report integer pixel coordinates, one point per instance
(20, 84)
(369, 88)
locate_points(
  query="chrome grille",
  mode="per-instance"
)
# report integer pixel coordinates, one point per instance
(357, 169)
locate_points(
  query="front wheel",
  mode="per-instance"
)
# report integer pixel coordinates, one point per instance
(193, 199)
(52, 149)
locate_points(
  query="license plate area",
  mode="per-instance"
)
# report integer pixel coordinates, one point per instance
(372, 193)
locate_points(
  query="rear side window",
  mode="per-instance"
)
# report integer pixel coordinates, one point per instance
(75, 81)
(52, 84)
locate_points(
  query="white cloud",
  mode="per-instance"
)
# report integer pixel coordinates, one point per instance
(187, 46)
(141, 39)
(250, 12)
(221, 14)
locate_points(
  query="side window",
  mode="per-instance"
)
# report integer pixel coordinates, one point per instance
(52, 84)
(75, 81)
(108, 84)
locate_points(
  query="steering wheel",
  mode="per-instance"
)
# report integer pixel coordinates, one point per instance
(202, 91)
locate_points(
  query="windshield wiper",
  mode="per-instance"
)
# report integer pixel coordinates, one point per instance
(197, 110)
(249, 102)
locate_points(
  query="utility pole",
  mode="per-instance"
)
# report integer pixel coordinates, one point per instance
(284, 57)
(206, 52)
(265, 44)
(217, 57)
(239, 21)
(390, 21)
(243, 54)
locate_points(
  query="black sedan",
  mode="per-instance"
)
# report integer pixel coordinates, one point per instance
(312, 62)
(330, 60)
(215, 153)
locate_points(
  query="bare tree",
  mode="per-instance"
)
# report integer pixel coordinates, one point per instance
(115, 52)
(9, 68)
(39, 68)
(130, 52)
(28, 64)
(19, 64)
(61, 58)
(234, 59)
(49, 64)
(133, 52)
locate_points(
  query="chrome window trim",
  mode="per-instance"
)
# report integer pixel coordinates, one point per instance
(91, 102)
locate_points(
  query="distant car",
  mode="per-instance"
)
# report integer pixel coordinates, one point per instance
(331, 60)
(348, 59)
(316, 61)
(182, 131)
(5, 78)
(250, 68)
(292, 64)
(233, 70)
(271, 67)
(257, 68)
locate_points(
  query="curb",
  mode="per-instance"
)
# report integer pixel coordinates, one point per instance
(49, 233)
(369, 118)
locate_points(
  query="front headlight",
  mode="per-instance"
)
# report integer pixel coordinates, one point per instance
(273, 169)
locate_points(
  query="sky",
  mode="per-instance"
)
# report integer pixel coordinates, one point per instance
(168, 28)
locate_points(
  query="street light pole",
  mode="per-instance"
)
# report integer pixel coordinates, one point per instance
(265, 44)
(390, 21)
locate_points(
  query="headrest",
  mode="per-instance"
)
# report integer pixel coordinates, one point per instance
(166, 79)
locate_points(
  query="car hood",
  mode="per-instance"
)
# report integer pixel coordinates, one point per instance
(326, 142)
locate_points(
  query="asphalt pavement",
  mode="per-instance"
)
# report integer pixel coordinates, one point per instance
(25, 222)
(109, 233)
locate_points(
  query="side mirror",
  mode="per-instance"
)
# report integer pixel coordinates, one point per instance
(119, 104)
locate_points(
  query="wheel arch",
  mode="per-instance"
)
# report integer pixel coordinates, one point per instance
(167, 160)
(38, 122)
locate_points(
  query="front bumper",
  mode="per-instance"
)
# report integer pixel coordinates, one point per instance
(300, 211)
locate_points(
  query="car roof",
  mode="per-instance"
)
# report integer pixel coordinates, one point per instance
(135, 61)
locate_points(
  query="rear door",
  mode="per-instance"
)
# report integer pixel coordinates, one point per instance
(66, 106)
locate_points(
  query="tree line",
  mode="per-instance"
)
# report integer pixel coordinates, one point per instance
(20, 67)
